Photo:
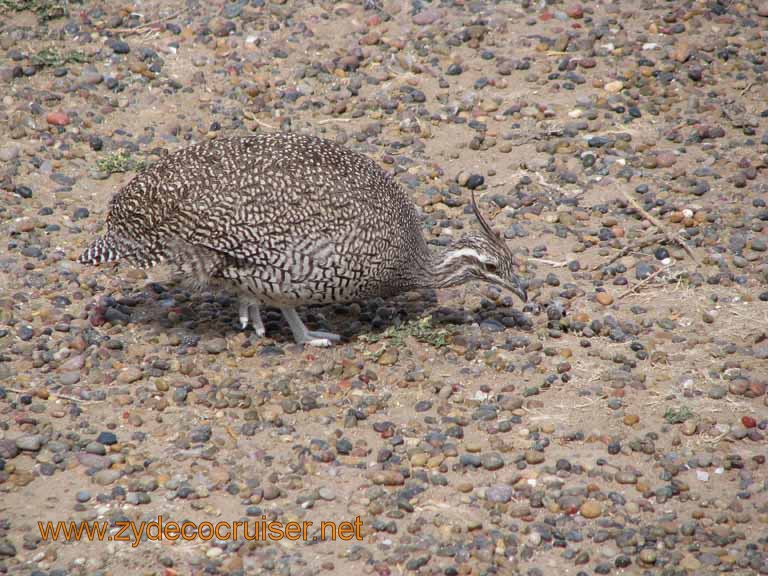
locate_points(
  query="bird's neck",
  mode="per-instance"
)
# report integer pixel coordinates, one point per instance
(442, 269)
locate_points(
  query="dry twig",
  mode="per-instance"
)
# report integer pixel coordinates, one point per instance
(263, 124)
(144, 27)
(641, 243)
(642, 282)
(550, 262)
(329, 120)
(653, 220)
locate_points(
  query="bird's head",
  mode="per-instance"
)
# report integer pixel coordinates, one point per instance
(484, 256)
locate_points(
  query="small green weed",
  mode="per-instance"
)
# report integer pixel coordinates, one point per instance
(678, 415)
(45, 9)
(50, 57)
(422, 330)
(119, 162)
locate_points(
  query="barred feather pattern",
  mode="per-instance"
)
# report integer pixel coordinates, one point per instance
(289, 218)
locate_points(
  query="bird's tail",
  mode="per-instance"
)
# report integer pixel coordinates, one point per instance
(102, 250)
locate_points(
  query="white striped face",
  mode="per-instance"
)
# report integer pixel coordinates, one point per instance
(478, 258)
(483, 260)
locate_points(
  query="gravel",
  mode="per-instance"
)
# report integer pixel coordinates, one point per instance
(615, 423)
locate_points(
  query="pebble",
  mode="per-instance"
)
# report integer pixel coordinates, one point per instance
(130, 375)
(9, 152)
(69, 378)
(499, 493)
(96, 448)
(32, 442)
(426, 16)
(491, 461)
(107, 438)
(474, 181)
(57, 119)
(591, 509)
(648, 556)
(215, 346)
(604, 298)
(626, 477)
(533, 457)
(106, 477)
(119, 46)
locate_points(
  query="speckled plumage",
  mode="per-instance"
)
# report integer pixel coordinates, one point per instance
(287, 219)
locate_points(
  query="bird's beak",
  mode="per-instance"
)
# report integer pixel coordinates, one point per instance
(516, 287)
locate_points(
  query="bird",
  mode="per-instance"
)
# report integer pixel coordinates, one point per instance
(285, 219)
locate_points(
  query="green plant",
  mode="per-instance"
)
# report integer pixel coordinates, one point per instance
(119, 162)
(678, 415)
(422, 330)
(50, 57)
(44, 9)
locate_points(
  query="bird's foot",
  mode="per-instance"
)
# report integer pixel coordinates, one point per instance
(250, 314)
(303, 336)
(320, 339)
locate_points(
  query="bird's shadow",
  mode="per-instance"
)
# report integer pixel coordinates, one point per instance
(210, 314)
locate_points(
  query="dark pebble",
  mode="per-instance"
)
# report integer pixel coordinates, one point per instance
(25, 333)
(24, 191)
(475, 181)
(107, 438)
(119, 46)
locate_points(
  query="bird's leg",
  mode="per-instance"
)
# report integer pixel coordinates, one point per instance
(249, 312)
(304, 336)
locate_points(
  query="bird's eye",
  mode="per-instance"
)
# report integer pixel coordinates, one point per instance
(490, 267)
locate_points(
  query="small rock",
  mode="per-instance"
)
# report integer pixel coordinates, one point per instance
(9, 152)
(221, 27)
(96, 448)
(576, 12)
(130, 375)
(604, 298)
(454, 70)
(215, 346)
(57, 118)
(31, 442)
(69, 378)
(648, 556)
(491, 461)
(107, 438)
(389, 357)
(426, 17)
(7, 549)
(24, 191)
(717, 392)
(499, 493)
(534, 457)
(106, 477)
(387, 478)
(475, 181)
(591, 509)
(626, 477)
(119, 46)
